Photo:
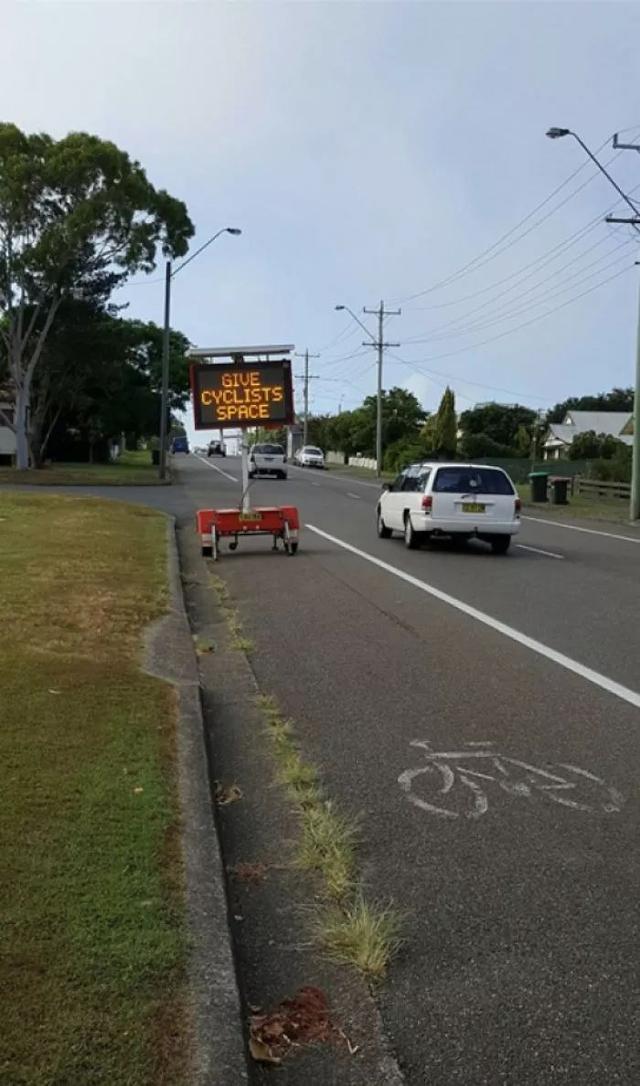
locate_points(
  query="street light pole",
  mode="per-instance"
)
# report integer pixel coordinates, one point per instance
(166, 332)
(164, 396)
(634, 503)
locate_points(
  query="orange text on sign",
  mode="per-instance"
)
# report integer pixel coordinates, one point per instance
(242, 396)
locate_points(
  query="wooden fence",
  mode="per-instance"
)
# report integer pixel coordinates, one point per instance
(598, 488)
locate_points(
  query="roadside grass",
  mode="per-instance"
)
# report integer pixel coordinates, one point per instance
(361, 935)
(131, 469)
(92, 963)
(351, 929)
(608, 509)
(234, 624)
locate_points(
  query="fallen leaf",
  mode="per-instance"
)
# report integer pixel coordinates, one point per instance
(249, 872)
(261, 1052)
(225, 794)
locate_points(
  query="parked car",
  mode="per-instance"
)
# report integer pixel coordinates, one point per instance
(309, 456)
(459, 500)
(216, 448)
(267, 459)
(180, 445)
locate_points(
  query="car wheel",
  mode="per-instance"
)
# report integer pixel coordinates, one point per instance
(252, 474)
(383, 531)
(411, 537)
(500, 544)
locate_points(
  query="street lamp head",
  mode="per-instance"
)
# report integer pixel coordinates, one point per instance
(558, 133)
(339, 307)
(235, 230)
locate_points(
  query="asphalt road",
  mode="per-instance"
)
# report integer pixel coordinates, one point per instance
(516, 862)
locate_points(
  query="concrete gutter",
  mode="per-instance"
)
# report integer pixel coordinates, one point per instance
(218, 1051)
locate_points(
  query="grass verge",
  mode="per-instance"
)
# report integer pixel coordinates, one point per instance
(131, 469)
(91, 967)
(351, 929)
(613, 510)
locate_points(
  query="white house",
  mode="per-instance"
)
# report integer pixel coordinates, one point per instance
(7, 436)
(618, 424)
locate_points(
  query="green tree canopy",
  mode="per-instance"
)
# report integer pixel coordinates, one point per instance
(497, 421)
(446, 426)
(619, 399)
(76, 215)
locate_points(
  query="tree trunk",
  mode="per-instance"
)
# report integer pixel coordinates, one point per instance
(21, 424)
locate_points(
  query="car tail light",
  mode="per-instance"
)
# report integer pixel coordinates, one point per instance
(518, 507)
(427, 503)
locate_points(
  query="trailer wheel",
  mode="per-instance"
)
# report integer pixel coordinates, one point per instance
(206, 552)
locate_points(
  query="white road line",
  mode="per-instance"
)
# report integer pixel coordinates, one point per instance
(315, 484)
(216, 468)
(538, 550)
(348, 479)
(350, 495)
(588, 531)
(612, 687)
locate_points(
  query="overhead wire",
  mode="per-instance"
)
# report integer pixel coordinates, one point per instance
(505, 313)
(532, 320)
(495, 250)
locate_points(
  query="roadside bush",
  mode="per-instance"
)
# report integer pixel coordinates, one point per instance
(616, 470)
(403, 452)
(475, 445)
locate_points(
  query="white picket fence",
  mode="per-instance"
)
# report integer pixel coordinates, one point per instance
(368, 462)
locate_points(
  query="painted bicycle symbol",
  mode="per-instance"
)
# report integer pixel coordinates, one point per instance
(462, 779)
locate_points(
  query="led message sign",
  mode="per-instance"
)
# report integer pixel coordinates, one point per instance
(239, 394)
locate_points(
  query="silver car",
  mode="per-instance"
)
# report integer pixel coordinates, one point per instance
(310, 456)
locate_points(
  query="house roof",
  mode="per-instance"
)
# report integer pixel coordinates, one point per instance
(559, 431)
(601, 422)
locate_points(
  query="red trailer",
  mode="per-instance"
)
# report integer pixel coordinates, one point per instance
(239, 395)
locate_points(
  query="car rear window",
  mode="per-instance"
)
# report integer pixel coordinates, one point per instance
(270, 450)
(472, 481)
(313, 451)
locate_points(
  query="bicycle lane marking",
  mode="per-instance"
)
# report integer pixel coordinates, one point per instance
(536, 778)
(594, 677)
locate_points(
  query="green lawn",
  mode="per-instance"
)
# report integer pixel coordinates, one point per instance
(131, 469)
(92, 949)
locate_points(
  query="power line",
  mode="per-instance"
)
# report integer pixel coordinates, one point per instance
(525, 324)
(545, 258)
(494, 250)
(455, 378)
(505, 313)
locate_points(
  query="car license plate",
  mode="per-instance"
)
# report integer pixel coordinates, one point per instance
(250, 516)
(269, 459)
(473, 507)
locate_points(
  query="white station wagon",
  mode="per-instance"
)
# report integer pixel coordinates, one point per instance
(462, 500)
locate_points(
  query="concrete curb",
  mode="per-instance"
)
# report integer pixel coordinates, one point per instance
(218, 1050)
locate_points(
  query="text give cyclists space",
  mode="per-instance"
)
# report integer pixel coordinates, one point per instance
(497, 790)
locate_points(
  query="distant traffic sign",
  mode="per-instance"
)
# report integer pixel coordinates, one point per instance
(240, 394)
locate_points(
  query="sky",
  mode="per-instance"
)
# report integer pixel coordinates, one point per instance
(370, 151)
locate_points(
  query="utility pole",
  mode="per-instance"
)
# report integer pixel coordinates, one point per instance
(306, 378)
(634, 504)
(381, 313)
